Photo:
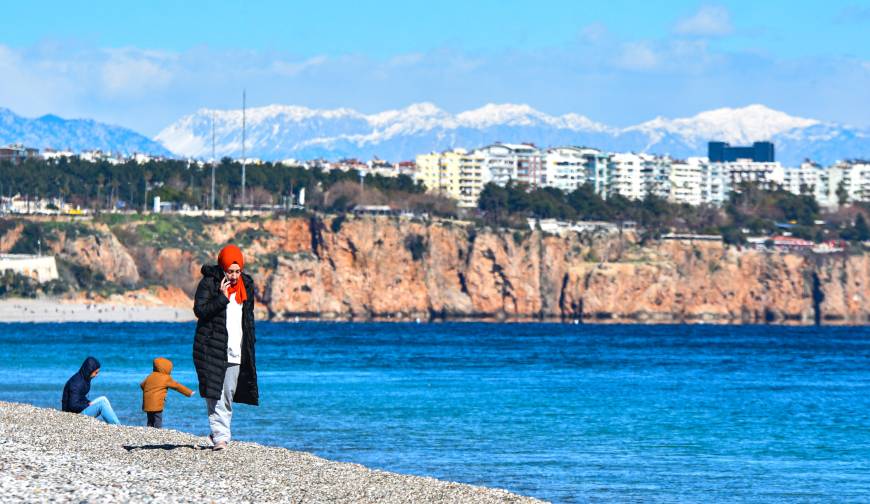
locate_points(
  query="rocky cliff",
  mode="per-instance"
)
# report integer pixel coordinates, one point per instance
(383, 268)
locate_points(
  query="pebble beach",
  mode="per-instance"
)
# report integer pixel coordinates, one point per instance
(50, 456)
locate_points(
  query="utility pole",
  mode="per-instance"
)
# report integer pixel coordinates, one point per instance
(213, 160)
(243, 150)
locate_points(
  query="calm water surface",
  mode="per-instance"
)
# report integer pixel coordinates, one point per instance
(561, 412)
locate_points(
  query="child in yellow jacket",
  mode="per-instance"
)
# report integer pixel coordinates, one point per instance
(154, 389)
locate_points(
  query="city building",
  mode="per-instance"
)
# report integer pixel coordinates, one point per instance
(440, 171)
(848, 182)
(40, 268)
(718, 180)
(17, 153)
(518, 162)
(656, 176)
(722, 152)
(625, 175)
(456, 174)
(686, 180)
(568, 168)
(564, 168)
(810, 179)
(470, 179)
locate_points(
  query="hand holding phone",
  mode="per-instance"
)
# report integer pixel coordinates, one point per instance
(225, 286)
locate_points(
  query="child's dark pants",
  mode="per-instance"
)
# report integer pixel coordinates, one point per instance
(155, 419)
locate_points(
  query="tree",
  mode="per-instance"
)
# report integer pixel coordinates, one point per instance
(842, 193)
(862, 232)
(493, 199)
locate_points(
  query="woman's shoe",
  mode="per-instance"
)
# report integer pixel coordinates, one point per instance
(220, 445)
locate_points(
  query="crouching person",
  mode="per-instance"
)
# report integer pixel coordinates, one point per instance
(75, 394)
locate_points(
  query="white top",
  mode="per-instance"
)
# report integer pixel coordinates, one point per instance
(234, 331)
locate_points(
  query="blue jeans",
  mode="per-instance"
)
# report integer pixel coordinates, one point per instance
(101, 407)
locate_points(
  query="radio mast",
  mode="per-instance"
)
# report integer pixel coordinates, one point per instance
(243, 150)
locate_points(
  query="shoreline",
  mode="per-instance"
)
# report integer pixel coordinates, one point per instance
(53, 310)
(61, 310)
(47, 455)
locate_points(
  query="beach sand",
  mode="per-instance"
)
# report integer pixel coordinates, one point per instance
(47, 455)
(56, 310)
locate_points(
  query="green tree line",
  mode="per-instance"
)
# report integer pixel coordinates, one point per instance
(102, 185)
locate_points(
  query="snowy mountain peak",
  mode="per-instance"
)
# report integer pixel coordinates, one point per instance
(411, 115)
(501, 114)
(736, 125)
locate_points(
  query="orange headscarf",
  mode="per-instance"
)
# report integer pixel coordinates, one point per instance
(228, 256)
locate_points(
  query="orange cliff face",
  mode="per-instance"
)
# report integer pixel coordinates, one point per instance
(369, 269)
(382, 268)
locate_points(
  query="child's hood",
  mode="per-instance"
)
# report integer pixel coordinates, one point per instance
(162, 365)
(90, 365)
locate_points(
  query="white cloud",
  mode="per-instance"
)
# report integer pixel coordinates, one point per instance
(31, 86)
(637, 56)
(131, 73)
(294, 68)
(709, 21)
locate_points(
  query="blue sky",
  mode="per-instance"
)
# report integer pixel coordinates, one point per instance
(145, 64)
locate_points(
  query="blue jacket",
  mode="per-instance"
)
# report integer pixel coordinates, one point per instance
(75, 392)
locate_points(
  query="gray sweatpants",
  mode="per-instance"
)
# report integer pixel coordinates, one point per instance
(220, 412)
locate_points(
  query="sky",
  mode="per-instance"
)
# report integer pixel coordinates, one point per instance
(144, 65)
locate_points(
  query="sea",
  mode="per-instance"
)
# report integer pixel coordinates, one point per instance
(562, 412)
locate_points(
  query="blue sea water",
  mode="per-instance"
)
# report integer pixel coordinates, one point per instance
(568, 413)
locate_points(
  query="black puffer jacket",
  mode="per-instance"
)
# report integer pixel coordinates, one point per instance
(210, 341)
(75, 392)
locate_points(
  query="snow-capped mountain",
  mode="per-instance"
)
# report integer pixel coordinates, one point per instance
(277, 132)
(51, 131)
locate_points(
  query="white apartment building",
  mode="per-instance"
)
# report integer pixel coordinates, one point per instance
(568, 168)
(766, 175)
(715, 184)
(852, 177)
(686, 180)
(564, 168)
(719, 179)
(626, 175)
(812, 179)
(656, 176)
(505, 162)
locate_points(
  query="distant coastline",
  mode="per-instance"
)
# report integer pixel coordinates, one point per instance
(56, 310)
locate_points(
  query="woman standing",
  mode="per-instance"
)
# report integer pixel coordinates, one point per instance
(223, 347)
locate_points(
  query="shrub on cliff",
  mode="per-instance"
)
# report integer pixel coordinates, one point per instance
(416, 245)
(336, 223)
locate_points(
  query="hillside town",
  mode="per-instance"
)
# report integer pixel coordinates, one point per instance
(461, 174)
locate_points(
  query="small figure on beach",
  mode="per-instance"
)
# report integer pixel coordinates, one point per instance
(154, 389)
(223, 346)
(75, 394)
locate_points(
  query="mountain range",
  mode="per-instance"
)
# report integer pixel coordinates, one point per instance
(51, 131)
(279, 132)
